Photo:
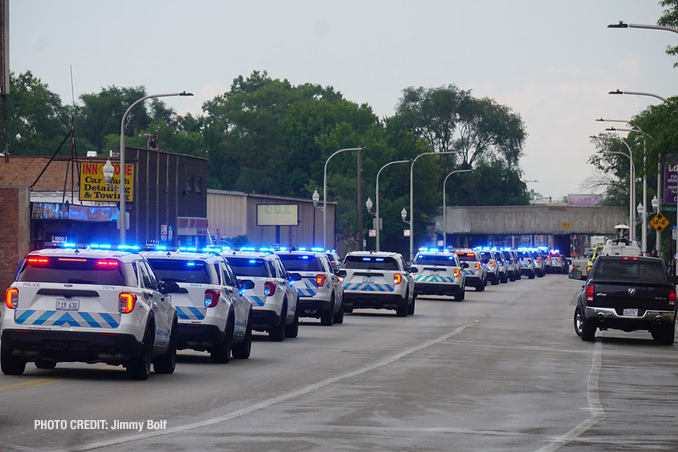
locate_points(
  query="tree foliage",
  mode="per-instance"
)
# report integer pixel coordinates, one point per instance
(670, 19)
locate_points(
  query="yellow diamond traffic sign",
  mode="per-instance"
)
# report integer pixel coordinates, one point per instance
(659, 222)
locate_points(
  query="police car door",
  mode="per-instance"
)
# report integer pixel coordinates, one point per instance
(162, 309)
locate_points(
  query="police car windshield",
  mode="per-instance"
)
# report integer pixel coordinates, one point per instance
(72, 271)
(371, 263)
(427, 259)
(301, 263)
(245, 266)
(187, 271)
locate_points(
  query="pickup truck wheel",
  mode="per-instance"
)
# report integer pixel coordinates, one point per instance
(139, 368)
(668, 334)
(11, 365)
(588, 332)
(578, 321)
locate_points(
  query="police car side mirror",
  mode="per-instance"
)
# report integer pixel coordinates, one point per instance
(464, 265)
(341, 273)
(294, 276)
(246, 284)
(413, 270)
(168, 287)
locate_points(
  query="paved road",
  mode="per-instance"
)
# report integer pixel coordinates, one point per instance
(501, 371)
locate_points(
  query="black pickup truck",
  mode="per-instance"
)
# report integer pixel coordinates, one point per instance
(626, 293)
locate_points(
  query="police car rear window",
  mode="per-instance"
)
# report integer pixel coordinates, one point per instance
(245, 266)
(371, 263)
(301, 263)
(467, 257)
(185, 271)
(72, 270)
(445, 261)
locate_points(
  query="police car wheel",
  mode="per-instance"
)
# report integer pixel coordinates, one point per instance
(44, 364)
(459, 296)
(410, 308)
(166, 363)
(327, 317)
(292, 330)
(243, 349)
(139, 368)
(339, 315)
(221, 353)
(277, 333)
(480, 287)
(11, 365)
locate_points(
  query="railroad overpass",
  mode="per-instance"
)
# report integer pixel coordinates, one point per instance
(554, 225)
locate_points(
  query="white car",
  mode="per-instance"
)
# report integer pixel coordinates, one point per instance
(274, 299)
(88, 305)
(321, 293)
(213, 315)
(527, 262)
(379, 280)
(438, 273)
(472, 265)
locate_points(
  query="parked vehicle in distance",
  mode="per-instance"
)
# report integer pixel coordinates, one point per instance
(378, 280)
(214, 315)
(627, 293)
(557, 262)
(321, 293)
(438, 272)
(527, 264)
(274, 299)
(491, 265)
(474, 270)
(88, 304)
(512, 263)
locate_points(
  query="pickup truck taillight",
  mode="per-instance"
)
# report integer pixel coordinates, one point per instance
(211, 298)
(590, 289)
(269, 288)
(672, 297)
(12, 298)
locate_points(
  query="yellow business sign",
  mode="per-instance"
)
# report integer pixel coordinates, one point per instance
(93, 184)
(565, 225)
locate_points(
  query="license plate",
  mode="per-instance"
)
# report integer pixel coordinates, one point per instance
(67, 304)
(367, 279)
(630, 312)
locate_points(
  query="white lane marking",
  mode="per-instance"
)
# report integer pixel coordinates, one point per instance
(597, 410)
(273, 401)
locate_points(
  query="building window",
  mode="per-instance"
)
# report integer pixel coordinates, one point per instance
(198, 185)
(189, 184)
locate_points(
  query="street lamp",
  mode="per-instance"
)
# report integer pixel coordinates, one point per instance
(122, 215)
(325, 191)
(637, 93)
(414, 160)
(403, 215)
(315, 197)
(377, 196)
(109, 170)
(444, 207)
(621, 24)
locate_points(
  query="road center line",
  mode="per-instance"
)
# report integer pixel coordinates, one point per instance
(597, 410)
(275, 400)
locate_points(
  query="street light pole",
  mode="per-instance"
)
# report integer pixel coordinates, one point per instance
(377, 196)
(444, 207)
(325, 192)
(414, 160)
(122, 215)
(621, 24)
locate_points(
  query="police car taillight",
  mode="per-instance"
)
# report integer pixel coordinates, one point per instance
(126, 302)
(36, 260)
(456, 273)
(269, 288)
(477, 266)
(12, 298)
(211, 298)
(320, 280)
(108, 263)
(397, 278)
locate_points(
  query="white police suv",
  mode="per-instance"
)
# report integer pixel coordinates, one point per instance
(274, 299)
(379, 280)
(472, 265)
(527, 263)
(438, 273)
(321, 293)
(213, 314)
(89, 305)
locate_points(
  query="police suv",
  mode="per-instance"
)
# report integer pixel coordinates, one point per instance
(527, 263)
(379, 280)
(89, 305)
(274, 300)
(472, 265)
(213, 315)
(321, 294)
(438, 273)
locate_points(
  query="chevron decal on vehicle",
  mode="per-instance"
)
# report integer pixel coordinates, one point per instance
(433, 279)
(257, 299)
(71, 318)
(309, 289)
(190, 313)
(368, 287)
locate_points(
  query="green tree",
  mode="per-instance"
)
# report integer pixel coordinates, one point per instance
(670, 19)
(38, 122)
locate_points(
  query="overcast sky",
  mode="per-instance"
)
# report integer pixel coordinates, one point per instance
(551, 61)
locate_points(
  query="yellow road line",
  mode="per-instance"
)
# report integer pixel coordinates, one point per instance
(32, 383)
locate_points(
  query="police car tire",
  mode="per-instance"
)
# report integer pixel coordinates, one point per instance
(277, 333)
(166, 363)
(531, 276)
(139, 368)
(495, 281)
(339, 315)
(410, 308)
(243, 349)
(44, 364)
(221, 353)
(11, 365)
(292, 330)
(480, 287)
(459, 296)
(327, 317)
